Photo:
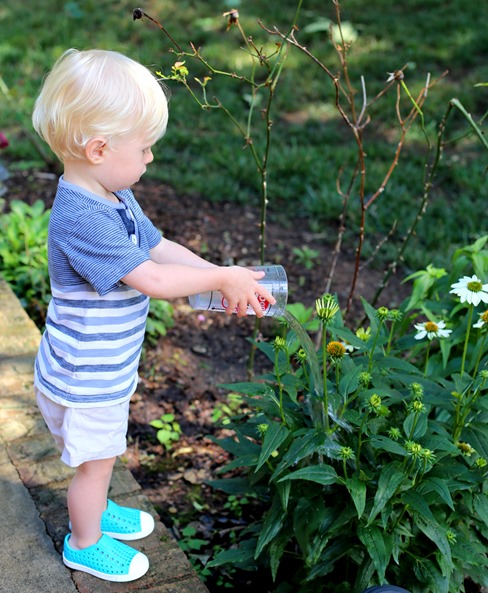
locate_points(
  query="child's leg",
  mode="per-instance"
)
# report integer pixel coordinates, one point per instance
(87, 499)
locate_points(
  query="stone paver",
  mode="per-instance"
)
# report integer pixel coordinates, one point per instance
(33, 483)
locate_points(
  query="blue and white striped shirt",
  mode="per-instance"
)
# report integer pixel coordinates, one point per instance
(89, 353)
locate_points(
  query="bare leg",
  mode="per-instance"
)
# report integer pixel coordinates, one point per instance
(87, 499)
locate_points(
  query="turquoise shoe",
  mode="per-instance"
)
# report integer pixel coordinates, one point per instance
(108, 559)
(125, 523)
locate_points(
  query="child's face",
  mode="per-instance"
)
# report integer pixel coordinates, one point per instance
(125, 163)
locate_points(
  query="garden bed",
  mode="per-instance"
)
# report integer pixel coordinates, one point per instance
(181, 374)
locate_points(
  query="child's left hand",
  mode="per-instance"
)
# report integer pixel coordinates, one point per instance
(241, 288)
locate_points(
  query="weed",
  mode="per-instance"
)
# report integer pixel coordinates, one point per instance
(169, 430)
(23, 255)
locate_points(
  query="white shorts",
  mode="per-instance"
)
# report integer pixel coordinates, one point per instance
(86, 434)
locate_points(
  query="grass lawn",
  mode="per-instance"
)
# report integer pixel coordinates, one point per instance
(203, 151)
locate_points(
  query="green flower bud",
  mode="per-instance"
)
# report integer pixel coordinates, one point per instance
(279, 343)
(394, 434)
(427, 455)
(417, 390)
(374, 402)
(396, 315)
(365, 378)
(451, 536)
(414, 449)
(346, 453)
(382, 313)
(417, 407)
(326, 308)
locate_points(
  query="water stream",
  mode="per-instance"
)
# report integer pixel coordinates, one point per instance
(315, 399)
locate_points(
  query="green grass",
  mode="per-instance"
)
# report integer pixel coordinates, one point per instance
(202, 152)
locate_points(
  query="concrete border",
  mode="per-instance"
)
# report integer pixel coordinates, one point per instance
(33, 483)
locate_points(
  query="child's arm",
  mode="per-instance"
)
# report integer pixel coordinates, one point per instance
(169, 252)
(175, 271)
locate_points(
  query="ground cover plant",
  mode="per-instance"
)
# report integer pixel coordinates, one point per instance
(371, 455)
(382, 426)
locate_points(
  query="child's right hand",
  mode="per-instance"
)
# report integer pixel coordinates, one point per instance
(240, 288)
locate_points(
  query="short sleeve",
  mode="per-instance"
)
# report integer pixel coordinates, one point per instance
(100, 251)
(149, 234)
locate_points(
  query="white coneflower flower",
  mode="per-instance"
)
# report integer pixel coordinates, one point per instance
(482, 321)
(470, 290)
(432, 330)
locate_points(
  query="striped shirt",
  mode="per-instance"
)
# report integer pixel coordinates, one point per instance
(89, 353)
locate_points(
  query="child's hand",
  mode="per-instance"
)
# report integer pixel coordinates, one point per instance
(240, 288)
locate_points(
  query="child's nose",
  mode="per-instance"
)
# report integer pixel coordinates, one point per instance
(150, 157)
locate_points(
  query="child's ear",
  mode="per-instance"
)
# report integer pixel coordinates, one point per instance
(95, 150)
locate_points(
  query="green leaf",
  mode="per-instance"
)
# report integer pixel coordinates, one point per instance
(240, 555)
(438, 485)
(420, 425)
(389, 481)
(350, 382)
(248, 388)
(427, 572)
(311, 519)
(378, 547)
(284, 493)
(275, 435)
(387, 444)
(371, 313)
(291, 384)
(415, 501)
(335, 550)
(436, 534)
(357, 490)
(322, 474)
(231, 485)
(303, 446)
(481, 507)
(276, 550)
(477, 436)
(164, 435)
(272, 525)
(439, 443)
(390, 362)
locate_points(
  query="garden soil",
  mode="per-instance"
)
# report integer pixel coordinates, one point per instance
(182, 373)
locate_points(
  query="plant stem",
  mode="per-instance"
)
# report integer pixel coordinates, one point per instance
(324, 371)
(468, 329)
(427, 358)
(371, 353)
(480, 353)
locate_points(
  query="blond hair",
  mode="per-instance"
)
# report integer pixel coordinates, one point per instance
(98, 93)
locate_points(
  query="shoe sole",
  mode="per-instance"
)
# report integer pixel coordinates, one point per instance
(128, 537)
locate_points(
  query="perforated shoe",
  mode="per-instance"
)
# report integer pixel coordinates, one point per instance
(108, 559)
(125, 523)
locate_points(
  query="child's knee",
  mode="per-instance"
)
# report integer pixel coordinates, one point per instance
(97, 467)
